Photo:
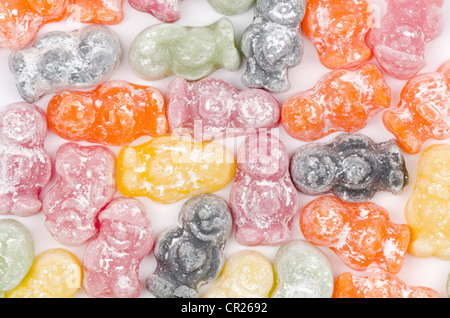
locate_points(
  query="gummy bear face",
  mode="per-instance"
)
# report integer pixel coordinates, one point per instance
(281, 11)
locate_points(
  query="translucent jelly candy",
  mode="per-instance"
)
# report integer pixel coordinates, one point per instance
(423, 110)
(17, 253)
(342, 100)
(212, 108)
(55, 273)
(111, 260)
(353, 167)
(338, 30)
(191, 253)
(167, 169)
(361, 234)
(246, 274)
(189, 52)
(26, 166)
(398, 42)
(427, 209)
(302, 271)
(86, 184)
(272, 44)
(231, 7)
(115, 113)
(22, 19)
(378, 285)
(60, 60)
(164, 10)
(263, 198)
(96, 11)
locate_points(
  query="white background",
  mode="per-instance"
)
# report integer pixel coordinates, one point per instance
(430, 272)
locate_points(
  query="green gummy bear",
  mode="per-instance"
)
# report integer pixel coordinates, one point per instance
(189, 52)
(231, 7)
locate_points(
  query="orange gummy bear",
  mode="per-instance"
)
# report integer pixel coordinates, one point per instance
(361, 234)
(342, 100)
(115, 113)
(97, 11)
(378, 285)
(338, 29)
(423, 111)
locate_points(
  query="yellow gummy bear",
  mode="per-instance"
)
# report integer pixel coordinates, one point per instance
(246, 274)
(55, 273)
(427, 211)
(167, 169)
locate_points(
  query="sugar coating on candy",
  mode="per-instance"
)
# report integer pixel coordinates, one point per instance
(263, 199)
(190, 52)
(115, 113)
(26, 166)
(17, 253)
(20, 20)
(191, 253)
(86, 183)
(342, 100)
(338, 30)
(231, 7)
(65, 60)
(96, 11)
(55, 273)
(167, 169)
(302, 271)
(167, 11)
(111, 260)
(272, 44)
(427, 210)
(378, 285)
(448, 285)
(212, 108)
(245, 274)
(361, 234)
(353, 167)
(399, 39)
(423, 110)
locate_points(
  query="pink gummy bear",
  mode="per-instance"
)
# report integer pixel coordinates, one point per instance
(167, 11)
(25, 165)
(86, 184)
(212, 108)
(263, 199)
(398, 43)
(111, 260)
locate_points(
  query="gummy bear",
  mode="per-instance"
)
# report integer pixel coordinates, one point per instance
(263, 199)
(423, 110)
(167, 169)
(212, 108)
(427, 210)
(398, 41)
(378, 285)
(17, 253)
(167, 11)
(96, 11)
(338, 30)
(55, 273)
(112, 259)
(352, 166)
(115, 113)
(246, 274)
(272, 44)
(343, 100)
(189, 52)
(302, 271)
(22, 19)
(361, 234)
(66, 60)
(85, 185)
(26, 166)
(231, 7)
(191, 253)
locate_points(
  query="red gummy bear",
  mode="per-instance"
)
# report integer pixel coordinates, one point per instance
(423, 111)
(111, 260)
(361, 234)
(167, 11)
(86, 184)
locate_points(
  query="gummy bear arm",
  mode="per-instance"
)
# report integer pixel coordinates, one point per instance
(296, 56)
(247, 40)
(216, 267)
(165, 242)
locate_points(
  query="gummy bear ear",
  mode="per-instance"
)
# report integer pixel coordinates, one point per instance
(49, 9)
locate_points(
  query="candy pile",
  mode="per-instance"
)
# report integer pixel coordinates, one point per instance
(127, 142)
